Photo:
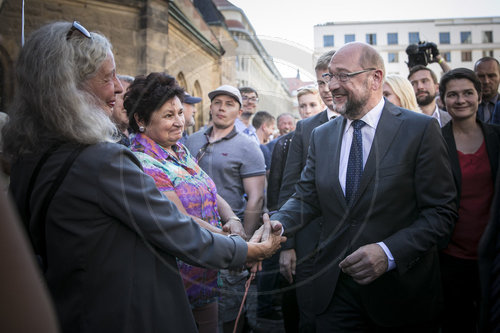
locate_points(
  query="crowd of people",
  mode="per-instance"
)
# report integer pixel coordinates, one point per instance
(377, 211)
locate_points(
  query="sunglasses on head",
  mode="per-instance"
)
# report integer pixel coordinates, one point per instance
(77, 26)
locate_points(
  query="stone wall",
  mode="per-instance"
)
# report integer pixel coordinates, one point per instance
(147, 36)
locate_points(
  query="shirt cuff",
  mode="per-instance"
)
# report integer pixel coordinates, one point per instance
(391, 264)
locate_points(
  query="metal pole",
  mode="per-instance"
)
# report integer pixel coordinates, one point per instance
(22, 28)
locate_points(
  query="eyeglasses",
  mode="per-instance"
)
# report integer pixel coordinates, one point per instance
(202, 152)
(344, 77)
(251, 99)
(77, 26)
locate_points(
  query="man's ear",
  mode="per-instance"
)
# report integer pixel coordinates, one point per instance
(378, 79)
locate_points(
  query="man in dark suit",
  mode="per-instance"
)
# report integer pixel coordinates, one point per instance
(297, 255)
(380, 178)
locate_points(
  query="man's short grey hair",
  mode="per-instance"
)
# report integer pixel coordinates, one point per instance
(284, 114)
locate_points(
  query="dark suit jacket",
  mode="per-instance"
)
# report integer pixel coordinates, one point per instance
(489, 248)
(305, 241)
(406, 199)
(112, 242)
(491, 137)
(278, 162)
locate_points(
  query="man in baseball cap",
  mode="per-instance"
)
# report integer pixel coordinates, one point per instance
(228, 91)
(236, 165)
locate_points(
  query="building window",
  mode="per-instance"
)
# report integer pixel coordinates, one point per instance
(466, 56)
(413, 37)
(371, 39)
(393, 57)
(444, 38)
(488, 53)
(349, 38)
(327, 40)
(392, 38)
(487, 36)
(465, 37)
(447, 56)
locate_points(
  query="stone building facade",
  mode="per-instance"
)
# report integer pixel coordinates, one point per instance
(170, 36)
(461, 41)
(147, 36)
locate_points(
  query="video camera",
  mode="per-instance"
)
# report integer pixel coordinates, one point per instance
(421, 54)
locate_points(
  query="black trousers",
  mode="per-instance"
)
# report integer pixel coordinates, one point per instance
(347, 314)
(461, 294)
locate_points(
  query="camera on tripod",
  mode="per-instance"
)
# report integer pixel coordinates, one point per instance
(421, 54)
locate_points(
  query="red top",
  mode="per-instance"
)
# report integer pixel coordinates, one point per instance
(475, 203)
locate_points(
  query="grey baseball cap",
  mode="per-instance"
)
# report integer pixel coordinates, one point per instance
(226, 90)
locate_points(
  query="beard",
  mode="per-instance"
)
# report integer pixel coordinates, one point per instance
(425, 100)
(190, 122)
(246, 114)
(354, 105)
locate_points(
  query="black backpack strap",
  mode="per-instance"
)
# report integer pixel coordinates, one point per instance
(42, 251)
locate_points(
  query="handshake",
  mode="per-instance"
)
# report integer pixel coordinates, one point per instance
(264, 243)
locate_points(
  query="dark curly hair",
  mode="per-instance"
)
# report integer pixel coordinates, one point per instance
(147, 94)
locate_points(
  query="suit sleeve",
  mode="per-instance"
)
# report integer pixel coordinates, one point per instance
(303, 206)
(278, 158)
(131, 196)
(293, 166)
(435, 193)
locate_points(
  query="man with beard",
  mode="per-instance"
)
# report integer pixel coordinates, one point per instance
(487, 70)
(250, 99)
(380, 178)
(189, 112)
(426, 86)
(297, 258)
(119, 114)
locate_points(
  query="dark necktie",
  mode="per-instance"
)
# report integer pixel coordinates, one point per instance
(355, 162)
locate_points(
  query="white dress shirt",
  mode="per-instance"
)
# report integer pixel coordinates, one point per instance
(371, 120)
(331, 114)
(437, 115)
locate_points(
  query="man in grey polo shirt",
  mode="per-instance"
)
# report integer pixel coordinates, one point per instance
(236, 165)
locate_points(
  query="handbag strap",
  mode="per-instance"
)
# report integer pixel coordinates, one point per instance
(33, 178)
(42, 251)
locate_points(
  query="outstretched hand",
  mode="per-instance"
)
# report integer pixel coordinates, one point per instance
(264, 243)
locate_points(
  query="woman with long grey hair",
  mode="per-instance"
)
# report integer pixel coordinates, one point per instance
(105, 236)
